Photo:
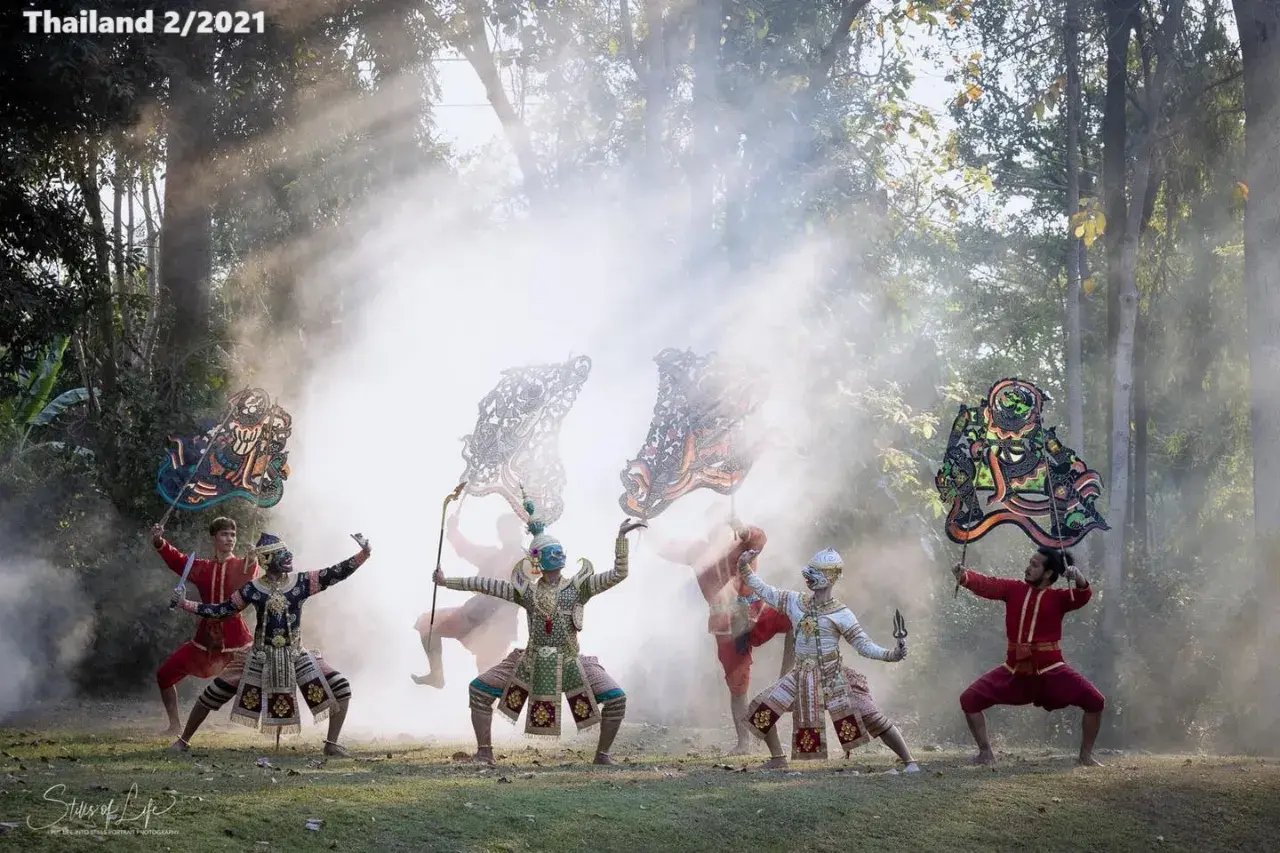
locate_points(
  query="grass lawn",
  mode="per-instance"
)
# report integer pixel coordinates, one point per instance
(234, 792)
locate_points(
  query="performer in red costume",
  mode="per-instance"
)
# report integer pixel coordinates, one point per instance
(485, 626)
(1034, 672)
(739, 620)
(216, 642)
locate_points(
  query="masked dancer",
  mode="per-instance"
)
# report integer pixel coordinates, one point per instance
(264, 688)
(820, 681)
(550, 665)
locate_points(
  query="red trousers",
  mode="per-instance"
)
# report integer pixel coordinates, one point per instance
(190, 660)
(1058, 688)
(737, 667)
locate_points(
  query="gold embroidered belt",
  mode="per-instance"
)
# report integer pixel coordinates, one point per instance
(813, 661)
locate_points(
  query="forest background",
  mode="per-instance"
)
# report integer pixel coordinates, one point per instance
(1097, 209)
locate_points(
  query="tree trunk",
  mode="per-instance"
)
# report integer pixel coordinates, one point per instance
(706, 110)
(1259, 23)
(655, 88)
(186, 262)
(1121, 17)
(149, 330)
(1075, 376)
(1122, 376)
(1138, 487)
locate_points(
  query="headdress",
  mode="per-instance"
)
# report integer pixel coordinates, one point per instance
(537, 529)
(271, 546)
(828, 562)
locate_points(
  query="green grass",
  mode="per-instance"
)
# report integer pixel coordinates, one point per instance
(410, 797)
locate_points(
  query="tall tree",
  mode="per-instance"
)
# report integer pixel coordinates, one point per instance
(186, 242)
(1133, 223)
(1259, 25)
(1071, 27)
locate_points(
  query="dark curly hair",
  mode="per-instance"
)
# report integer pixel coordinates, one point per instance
(1056, 561)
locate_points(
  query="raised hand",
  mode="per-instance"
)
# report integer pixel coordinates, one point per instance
(178, 596)
(746, 558)
(363, 543)
(438, 577)
(901, 651)
(157, 533)
(958, 570)
(629, 525)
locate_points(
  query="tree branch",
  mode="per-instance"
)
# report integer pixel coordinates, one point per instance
(628, 38)
(474, 44)
(838, 41)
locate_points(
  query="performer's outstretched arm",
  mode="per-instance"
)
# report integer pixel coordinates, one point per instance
(983, 586)
(321, 579)
(239, 600)
(852, 631)
(485, 586)
(597, 584)
(771, 594)
(173, 558)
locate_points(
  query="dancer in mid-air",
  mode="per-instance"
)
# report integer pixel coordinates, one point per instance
(1034, 671)
(264, 688)
(820, 681)
(217, 642)
(740, 620)
(551, 665)
(485, 626)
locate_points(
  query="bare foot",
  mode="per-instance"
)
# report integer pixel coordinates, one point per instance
(985, 756)
(173, 731)
(911, 767)
(777, 762)
(179, 745)
(743, 748)
(431, 679)
(603, 758)
(1087, 760)
(484, 755)
(340, 751)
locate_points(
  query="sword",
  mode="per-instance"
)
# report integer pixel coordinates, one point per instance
(182, 584)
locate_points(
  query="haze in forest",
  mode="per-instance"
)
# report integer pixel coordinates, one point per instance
(783, 198)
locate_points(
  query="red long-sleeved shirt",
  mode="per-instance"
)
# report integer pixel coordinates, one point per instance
(215, 582)
(720, 583)
(1032, 619)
